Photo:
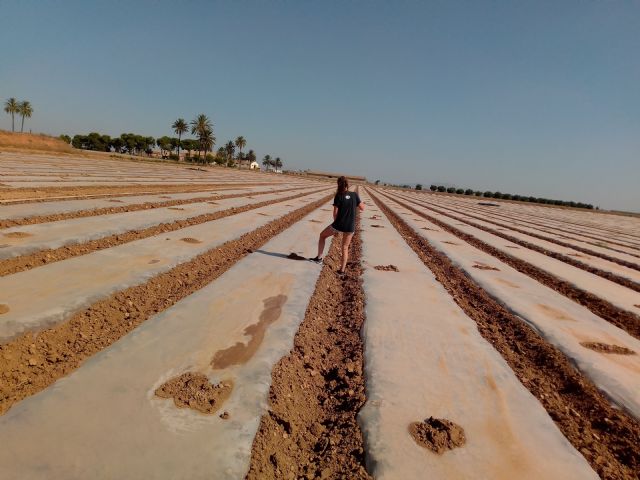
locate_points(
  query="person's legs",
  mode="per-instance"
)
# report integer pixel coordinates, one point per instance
(346, 241)
(326, 233)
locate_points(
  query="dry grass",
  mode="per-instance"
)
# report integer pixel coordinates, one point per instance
(32, 141)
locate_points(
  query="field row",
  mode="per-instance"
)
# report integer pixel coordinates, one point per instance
(181, 337)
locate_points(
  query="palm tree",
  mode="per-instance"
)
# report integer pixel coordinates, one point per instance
(12, 107)
(277, 163)
(203, 128)
(240, 143)
(26, 110)
(207, 141)
(266, 161)
(180, 127)
(229, 148)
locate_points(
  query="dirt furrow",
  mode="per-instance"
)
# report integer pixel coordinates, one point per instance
(56, 217)
(35, 360)
(311, 429)
(535, 235)
(612, 277)
(608, 438)
(49, 255)
(599, 306)
(45, 194)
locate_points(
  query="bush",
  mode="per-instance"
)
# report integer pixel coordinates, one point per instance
(173, 156)
(497, 195)
(468, 191)
(487, 194)
(506, 196)
(451, 190)
(477, 193)
(459, 191)
(433, 188)
(209, 158)
(442, 189)
(419, 186)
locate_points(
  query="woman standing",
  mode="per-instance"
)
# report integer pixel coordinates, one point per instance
(345, 204)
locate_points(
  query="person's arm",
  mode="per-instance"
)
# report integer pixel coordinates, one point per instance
(360, 203)
(335, 212)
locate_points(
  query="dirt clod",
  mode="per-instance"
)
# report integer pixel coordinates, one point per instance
(437, 434)
(17, 235)
(387, 268)
(607, 348)
(4, 308)
(377, 226)
(195, 391)
(480, 266)
(191, 240)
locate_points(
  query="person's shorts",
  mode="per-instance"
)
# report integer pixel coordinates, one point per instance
(340, 231)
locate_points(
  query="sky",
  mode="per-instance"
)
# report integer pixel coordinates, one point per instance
(530, 97)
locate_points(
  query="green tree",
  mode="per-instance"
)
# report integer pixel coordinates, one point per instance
(433, 188)
(229, 149)
(419, 186)
(12, 107)
(266, 162)
(240, 142)
(277, 163)
(441, 188)
(180, 127)
(26, 110)
(202, 127)
(65, 138)
(165, 144)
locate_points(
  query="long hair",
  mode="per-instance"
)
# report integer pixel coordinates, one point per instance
(343, 185)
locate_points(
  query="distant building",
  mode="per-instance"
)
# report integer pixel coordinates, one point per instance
(254, 165)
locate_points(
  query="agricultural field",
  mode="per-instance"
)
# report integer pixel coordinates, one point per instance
(162, 322)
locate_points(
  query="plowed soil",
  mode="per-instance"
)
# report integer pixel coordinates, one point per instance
(44, 194)
(599, 306)
(34, 360)
(608, 438)
(56, 217)
(310, 430)
(48, 255)
(195, 391)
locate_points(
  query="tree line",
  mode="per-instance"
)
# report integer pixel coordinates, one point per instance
(199, 149)
(14, 107)
(506, 196)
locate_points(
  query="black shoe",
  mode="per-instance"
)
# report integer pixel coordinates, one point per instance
(316, 259)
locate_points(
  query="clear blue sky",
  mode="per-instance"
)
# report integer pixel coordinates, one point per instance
(533, 97)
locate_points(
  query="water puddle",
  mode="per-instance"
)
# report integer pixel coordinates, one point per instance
(241, 352)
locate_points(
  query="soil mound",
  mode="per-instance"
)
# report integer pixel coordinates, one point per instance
(437, 434)
(387, 268)
(17, 235)
(190, 240)
(4, 308)
(485, 267)
(295, 256)
(607, 348)
(193, 390)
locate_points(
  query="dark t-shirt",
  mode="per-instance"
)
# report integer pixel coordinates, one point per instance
(347, 204)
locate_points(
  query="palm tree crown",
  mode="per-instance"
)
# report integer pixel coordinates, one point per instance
(203, 128)
(26, 110)
(12, 106)
(240, 143)
(180, 127)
